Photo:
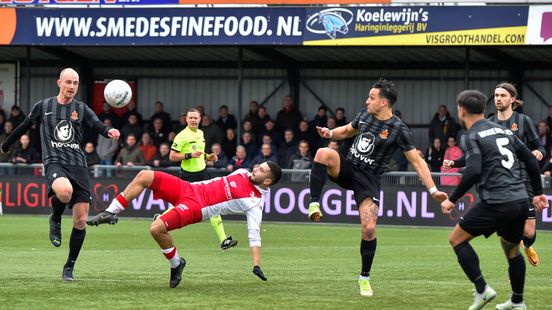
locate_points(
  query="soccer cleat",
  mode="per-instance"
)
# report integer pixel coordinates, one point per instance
(480, 300)
(510, 305)
(176, 273)
(314, 211)
(55, 232)
(365, 288)
(228, 243)
(67, 274)
(103, 217)
(532, 256)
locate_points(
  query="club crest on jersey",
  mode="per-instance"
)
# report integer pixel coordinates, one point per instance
(365, 144)
(64, 132)
(74, 115)
(514, 127)
(384, 134)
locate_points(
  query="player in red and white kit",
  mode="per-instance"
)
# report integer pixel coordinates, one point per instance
(241, 192)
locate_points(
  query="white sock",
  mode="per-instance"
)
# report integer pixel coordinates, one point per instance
(115, 207)
(363, 278)
(175, 260)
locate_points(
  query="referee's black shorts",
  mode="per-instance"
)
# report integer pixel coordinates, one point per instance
(78, 176)
(361, 182)
(195, 176)
(506, 219)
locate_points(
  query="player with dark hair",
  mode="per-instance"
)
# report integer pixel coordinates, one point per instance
(62, 120)
(492, 164)
(188, 148)
(378, 134)
(241, 192)
(505, 98)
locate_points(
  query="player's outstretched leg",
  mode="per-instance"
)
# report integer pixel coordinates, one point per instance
(142, 180)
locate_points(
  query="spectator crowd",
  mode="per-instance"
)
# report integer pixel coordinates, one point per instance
(290, 139)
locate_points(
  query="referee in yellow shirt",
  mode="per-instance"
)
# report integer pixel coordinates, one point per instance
(189, 148)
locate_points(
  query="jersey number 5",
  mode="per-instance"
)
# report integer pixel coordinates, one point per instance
(501, 143)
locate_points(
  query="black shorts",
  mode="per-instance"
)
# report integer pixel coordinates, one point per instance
(362, 183)
(78, 176)
(532, 214)
(195, 176)
(506, 219)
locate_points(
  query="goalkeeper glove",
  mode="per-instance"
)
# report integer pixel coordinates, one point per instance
(259, 273)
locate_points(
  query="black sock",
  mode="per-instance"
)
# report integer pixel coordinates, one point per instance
(516, 270)
(75, 245)
(367, 253)
(317, 180)
(528, 241)
(57, 209)
(470, 264)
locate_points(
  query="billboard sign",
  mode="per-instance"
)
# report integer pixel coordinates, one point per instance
(349, 26)
(400, 204)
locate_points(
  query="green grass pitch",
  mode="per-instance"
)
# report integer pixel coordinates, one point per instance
(309, 266)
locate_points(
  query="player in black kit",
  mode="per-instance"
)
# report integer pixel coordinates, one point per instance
(62, 120)
(492, 154)
(505, 98)
(378, 134)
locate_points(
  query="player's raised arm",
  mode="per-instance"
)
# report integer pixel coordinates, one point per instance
(339, 133)
(422, 169)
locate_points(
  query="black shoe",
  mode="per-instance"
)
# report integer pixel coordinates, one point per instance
(55, 232)
(228, 243)
(67, 274)
(176, 274)
(103, 217)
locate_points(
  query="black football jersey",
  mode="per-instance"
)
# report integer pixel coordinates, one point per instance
(376, 142)
(500, 179)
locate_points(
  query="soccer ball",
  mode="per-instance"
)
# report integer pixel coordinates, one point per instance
(117, 93)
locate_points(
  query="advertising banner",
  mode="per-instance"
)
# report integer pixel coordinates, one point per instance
(152, 26)
(428, 25)
(401, 204)
(381, 25)
(539, 28)
(86, 2)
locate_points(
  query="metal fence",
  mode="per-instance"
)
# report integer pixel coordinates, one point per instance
(288, 175)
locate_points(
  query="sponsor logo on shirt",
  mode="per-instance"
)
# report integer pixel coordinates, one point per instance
(64, 134)
(363, 147)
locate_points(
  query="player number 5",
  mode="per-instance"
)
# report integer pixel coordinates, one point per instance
(501, 143)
